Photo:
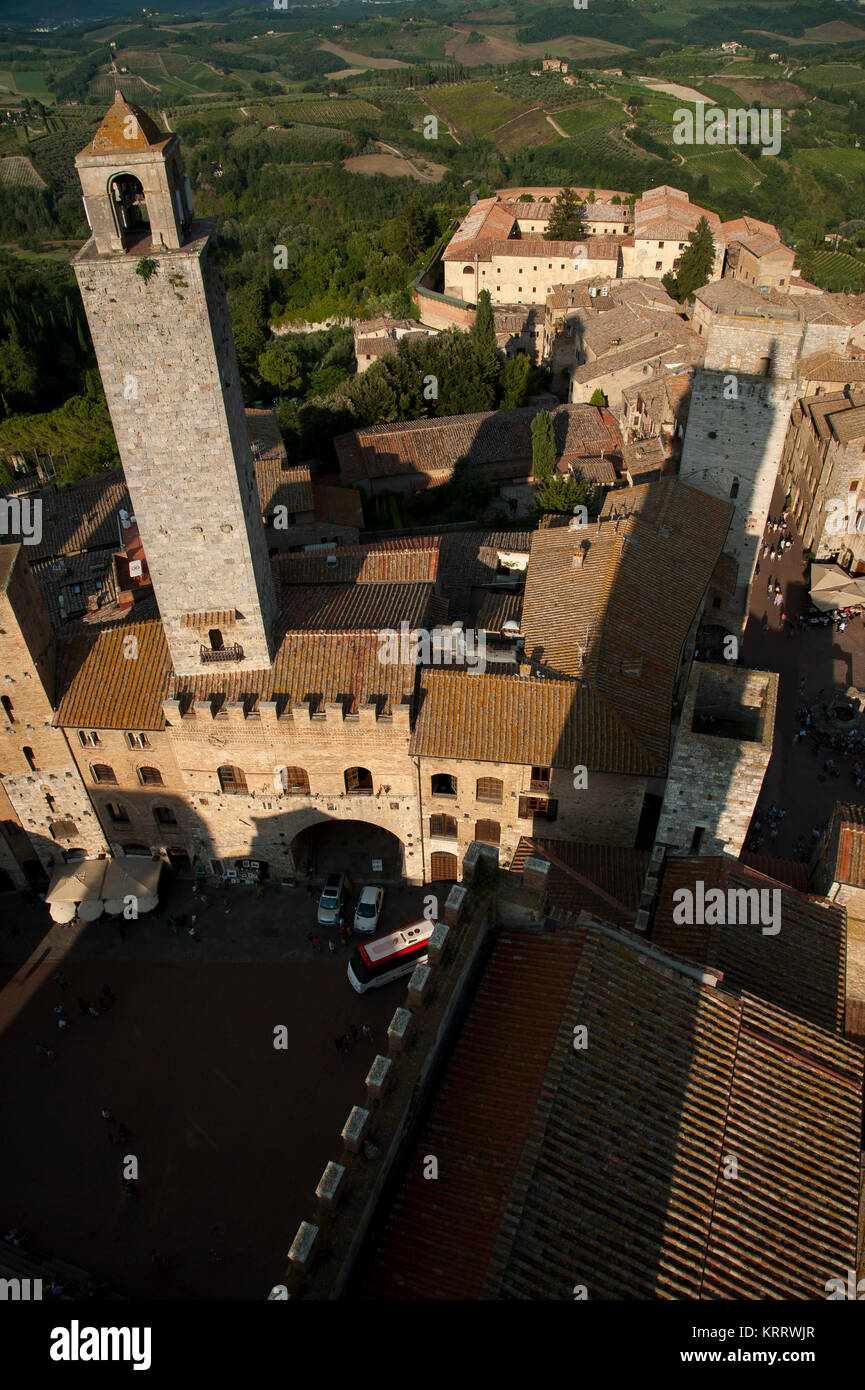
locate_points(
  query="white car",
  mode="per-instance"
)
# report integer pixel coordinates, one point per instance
(368, 909)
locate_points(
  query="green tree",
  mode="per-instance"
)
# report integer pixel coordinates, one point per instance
(483, 338)
(543, 447)
(697, 261)
(373, 397)
(515, 379)
(566, 218)
(280, 368)
(598, 398)
(19, 376)
(561, 493)
(409, 233)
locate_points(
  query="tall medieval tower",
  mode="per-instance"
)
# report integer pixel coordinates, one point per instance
(158, 315)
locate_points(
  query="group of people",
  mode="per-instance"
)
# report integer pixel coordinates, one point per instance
(777, 537)
(88, 1007)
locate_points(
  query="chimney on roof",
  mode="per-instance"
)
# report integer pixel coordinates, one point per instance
(525, 668)
(579, 555)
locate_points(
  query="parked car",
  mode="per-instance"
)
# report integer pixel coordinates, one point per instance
(368, 909)
(332, 900)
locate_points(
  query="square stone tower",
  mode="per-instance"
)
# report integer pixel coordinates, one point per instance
(158, 315)
(722, 749)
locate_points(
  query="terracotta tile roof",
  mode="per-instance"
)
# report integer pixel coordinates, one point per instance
(488, 218)
(358, 564)
(507, 1022)
(125, 127)
(495, 437)
(743, 227)
(311, 666)
(594, 470)
(280, 485)
(643, 456)
(383, 347)
(788, 871)
(831, 366)
(470, 560)
(81, 515)
(608, 1166)
(667, 350)
(619, 621)
(517, 719)
(604, 880)
(498, 609)
(353, 607)
(264, 434)
(76, 584)
(100, 688)
(848, 864)
(801, 968)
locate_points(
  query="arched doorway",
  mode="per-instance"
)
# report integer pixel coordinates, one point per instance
(128, 204)
(366, 853)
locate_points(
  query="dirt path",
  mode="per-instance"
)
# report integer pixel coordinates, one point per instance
(556, 126)
(392, 149)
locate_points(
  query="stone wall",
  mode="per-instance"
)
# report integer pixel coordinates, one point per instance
(167, 361)
(715, 781)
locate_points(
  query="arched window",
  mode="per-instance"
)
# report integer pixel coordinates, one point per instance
(296, 782)
(358, 781)
(128, 203)
(489, 831)
(444, 784)
(489, 789)
(30, 756)
(232, 780)
(103, 774)
(150, 777)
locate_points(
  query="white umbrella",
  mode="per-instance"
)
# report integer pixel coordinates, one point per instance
(90, 909)
(147, 904)
(114, 906)
(63, 912)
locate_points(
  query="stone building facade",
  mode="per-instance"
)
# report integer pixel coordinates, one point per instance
(823, 469)
(721, 752)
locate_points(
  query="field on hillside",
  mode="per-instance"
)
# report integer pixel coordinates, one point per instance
(16, 171)
(727, 170)
(849, 163)
(532, 129)
(782, 94)
(476, 109)
(834, 270)
(591, 113)
(831, 75)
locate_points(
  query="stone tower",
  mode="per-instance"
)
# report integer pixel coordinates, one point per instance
(157, 311)
(722, 749)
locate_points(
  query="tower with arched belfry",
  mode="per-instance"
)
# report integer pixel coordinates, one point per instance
(158, 316)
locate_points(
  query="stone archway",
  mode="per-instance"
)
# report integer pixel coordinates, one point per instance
(367, 852)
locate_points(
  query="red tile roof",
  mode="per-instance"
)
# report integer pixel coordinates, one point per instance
(605, 880)
(801, 968)
(605, 1166)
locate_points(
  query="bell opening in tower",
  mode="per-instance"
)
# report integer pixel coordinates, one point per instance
(129, 206)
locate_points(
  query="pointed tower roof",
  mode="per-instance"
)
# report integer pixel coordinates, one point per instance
(124, 128)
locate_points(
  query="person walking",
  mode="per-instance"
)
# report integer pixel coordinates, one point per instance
(331, 945)
(60, 979)
(47, 1052)
(366, 1030)
(93, 1011)
(316, 943)
(355, 1035)
(107, 1116)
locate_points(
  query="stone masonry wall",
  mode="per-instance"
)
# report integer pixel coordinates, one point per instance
(167, 361)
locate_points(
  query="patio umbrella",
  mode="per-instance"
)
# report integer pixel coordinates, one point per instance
(72, 883)
(90, 909)
(832, 587)
(63, 912)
